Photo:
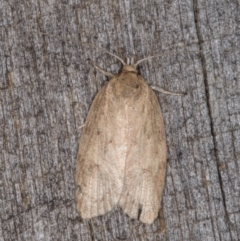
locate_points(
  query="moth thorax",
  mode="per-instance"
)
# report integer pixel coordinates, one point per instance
(129, 68)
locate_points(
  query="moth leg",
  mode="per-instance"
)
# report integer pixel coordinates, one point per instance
(165, 91)
(81, 126)
(103, 71)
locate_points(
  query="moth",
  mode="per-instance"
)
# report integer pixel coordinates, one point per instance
(122, 153)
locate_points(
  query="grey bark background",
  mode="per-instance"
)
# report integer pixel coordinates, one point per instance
(46, 88)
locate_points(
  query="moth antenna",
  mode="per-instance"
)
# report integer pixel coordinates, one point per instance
(162, 54)
(104, 50)
(150, 57)
(101, 70)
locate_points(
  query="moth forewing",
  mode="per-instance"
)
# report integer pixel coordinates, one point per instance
(122, 154)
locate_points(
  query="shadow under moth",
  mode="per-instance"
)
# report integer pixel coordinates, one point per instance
(122, 153)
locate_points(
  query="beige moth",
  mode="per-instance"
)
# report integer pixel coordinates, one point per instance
(122, 153)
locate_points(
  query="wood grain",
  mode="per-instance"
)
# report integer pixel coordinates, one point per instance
(47, 85)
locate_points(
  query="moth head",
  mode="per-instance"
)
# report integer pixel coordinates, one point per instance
(129, 66)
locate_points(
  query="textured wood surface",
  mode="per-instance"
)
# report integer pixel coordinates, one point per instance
(47, 85)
